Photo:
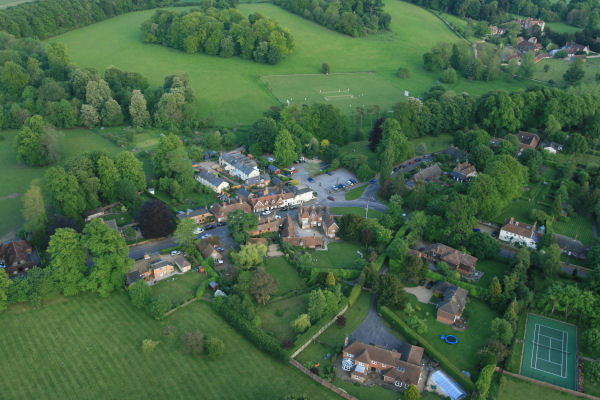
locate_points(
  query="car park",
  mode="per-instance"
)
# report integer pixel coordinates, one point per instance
(331, 198)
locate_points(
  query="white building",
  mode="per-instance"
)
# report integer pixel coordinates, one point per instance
(211, 180)
(517, 232)
(301, 197)
(237, 164)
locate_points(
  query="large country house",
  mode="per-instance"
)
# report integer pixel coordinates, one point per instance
(517, 232)
(461, 261)
(318, 216)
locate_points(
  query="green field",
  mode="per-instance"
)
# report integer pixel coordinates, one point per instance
(285, 274)
(562, 27)
(338, 255)
(550, 352)
(491, 268)
(516, 389)
(230, 90)
(10, 3)
(346, 91)
(86, 347)
(355, 193)
(355, 210)
(558, 68)
(433, 143)
(277, 315)
(16, 178)
(180, 288)
(464, 354)
(576, 226)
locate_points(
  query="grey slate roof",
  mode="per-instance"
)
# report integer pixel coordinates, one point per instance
(211, 178)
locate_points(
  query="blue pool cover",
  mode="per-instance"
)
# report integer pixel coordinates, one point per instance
(449, 387)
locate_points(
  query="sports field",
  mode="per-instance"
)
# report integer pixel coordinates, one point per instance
(230, 90)
(550, 352)
(346, 91)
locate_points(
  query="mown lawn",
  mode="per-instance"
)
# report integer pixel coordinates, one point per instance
(362, 148)
(230, 90)
(180, 288)
(355, 193)
(464, 354)
(16, 178)
(576, 226)
(355, 210)
(86, 347)
(277, 315)
(559, 66)
(491, 268)
(433, 143)
(285, 274)
(338, 255)
(516, 389)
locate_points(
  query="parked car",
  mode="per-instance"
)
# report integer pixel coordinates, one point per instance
(278, 217)
(206, 235)
(329, 173)
(373, 181)
(311, 180)
(198, 231)
(293, 170)
(354, 181)
(476, 230)
(340, 186)
(429, 285)
(221, 223)
(175, 253)
(267, 212)
(219, 249)
(422, 282)
(219, 261)
(331, 198)
(495, 234)
(211, 226)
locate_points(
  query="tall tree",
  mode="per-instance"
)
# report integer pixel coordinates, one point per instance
(185, 236)
(285, 148)
(140, 117)
(263, 286)
(34, 209)
(109, 178)
(110, 255)
(551, 260)
(131, 168)
(240, 225)
(156, 219)
(575, 72)
(67, 260)
(527, 65)
(64, 192)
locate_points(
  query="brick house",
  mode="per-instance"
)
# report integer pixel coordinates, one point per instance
(518, 232)
(400, 369)
(156, 267)
(318, 216)
(528, 140)
(210, 252)
(269, 201)
(288, 235)
(267, 225)
(462, 262)
(17, 257)
(452, 303)
(220, 211)
(199, 215)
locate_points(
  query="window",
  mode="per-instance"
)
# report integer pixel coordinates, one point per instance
(373, 362)
(350, 355)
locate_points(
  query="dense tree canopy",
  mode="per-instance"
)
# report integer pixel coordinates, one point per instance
(225, 33)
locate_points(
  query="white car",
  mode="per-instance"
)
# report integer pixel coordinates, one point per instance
(266, 212)
(198, 231)
(278, 217)
(175, 253)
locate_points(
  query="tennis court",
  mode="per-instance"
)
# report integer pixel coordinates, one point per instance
(550, 351)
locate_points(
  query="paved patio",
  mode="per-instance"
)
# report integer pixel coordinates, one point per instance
(421, 292)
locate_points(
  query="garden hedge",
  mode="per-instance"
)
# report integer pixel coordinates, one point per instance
(405, 330)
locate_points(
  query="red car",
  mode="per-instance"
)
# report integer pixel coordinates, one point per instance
(331, 198)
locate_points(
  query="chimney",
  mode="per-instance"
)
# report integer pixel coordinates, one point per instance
(346, 341)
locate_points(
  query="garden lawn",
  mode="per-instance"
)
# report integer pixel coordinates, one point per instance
(355, 193)
(464, 354)
(491, 268)
(338, 255)
(355, 210)
(277, 315)
(230, 90)
(16, 178)
(180, 288)
(562, 27)
(86, 347)
(516, 389)
(433, 143)
(332, 339)
(558, 68)
(576, 226)
(285, 274)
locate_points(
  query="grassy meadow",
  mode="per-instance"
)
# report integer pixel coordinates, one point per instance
(16, 178)
(513, 388)
(230, 90)
(86, 347)
(559, 67)
(562, 27)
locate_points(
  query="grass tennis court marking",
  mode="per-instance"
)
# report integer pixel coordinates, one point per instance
(550, 351)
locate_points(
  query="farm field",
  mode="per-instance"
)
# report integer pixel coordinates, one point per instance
(230, 90)
(16, 177)
(86, 347)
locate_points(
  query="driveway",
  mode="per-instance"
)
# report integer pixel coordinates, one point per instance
(153, 246)
(421, 292)
(373, 331)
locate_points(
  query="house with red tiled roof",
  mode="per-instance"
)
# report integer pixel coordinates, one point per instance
(220, 211)
(399, 369)
(461, 261)
(528, 140)
(269, 201)
(318, 216)
(17, 257)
